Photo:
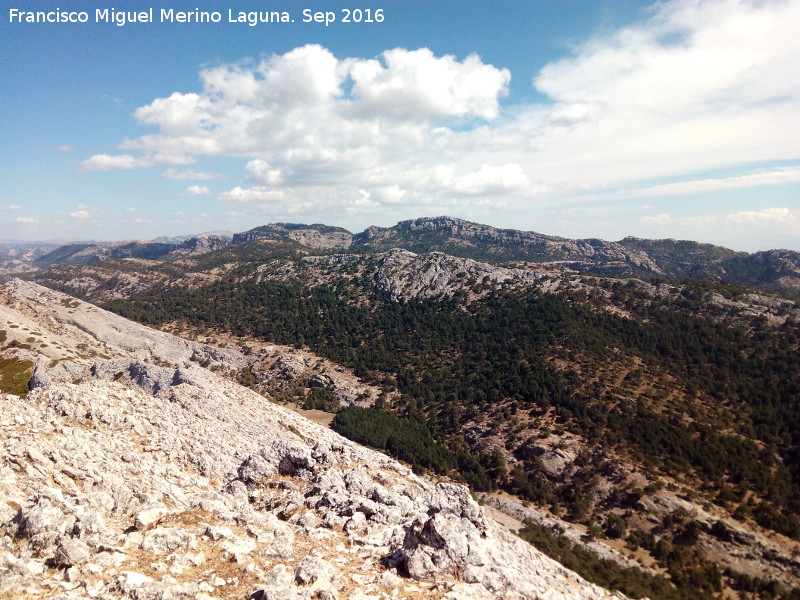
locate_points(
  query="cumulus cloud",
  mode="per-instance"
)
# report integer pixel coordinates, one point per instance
(177, 174)
(418, 85)
(12, 207)
(260, 173)
(27, 220)
(696, 87)
(493, 180)
(197, 190)
(79, 214)
(307, 119)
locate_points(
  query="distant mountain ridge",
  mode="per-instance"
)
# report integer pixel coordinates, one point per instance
(78, 254)
(314, 236)
(772, 270)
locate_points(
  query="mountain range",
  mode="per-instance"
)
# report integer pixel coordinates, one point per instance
(631, 408)
(773, 270)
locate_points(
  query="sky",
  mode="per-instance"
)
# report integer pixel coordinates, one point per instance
(579, 118)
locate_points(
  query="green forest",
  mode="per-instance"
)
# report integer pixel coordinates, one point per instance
(452, 362)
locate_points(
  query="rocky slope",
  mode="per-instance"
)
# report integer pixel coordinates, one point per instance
(134, 472)
(19, 257)
(401, 275)
(82, 254)
(529, 439)
(777, 270)
(312, 236)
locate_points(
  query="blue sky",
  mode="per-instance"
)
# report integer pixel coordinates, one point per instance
(577, 118)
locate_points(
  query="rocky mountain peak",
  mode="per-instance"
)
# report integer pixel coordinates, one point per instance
(313, 236)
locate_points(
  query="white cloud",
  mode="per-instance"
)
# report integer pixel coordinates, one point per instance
(747, 229)
(260, 173)
(12, 207)
(27, 220)
(197, 190)
(107, 162)
(307, 119)
(127, 162)
(79, 214)
(493, 180)
(239, 195)
(190, 174)
(698, 186)
(418, 85)
(768, 216)
(64, 148)
(130, 209)
(656, 219)
(697, 87)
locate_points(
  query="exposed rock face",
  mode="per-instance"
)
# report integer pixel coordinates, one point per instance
(402, 275)
(83, 330)
(434, 232)
(773, 270)
(674, 259)
(312, 236)
(153, 481)
(200, 245)
(279, 367)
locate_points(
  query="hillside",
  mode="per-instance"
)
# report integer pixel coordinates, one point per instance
(649, 423)
(131, 471)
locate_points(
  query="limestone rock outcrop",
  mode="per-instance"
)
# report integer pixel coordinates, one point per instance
(145, 480)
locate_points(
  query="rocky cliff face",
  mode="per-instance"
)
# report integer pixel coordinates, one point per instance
(137, 473)
(200, 245)
(312, 236)
(402, 275)
(442, 233)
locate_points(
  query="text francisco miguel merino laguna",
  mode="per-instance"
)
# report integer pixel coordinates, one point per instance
(170, 15)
